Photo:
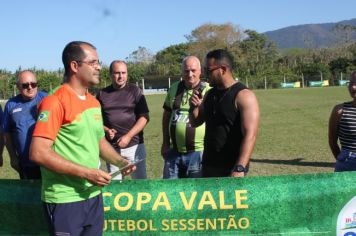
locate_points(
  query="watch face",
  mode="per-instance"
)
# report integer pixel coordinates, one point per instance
(240, 169)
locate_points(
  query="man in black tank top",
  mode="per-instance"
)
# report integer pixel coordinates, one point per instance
(231, 113)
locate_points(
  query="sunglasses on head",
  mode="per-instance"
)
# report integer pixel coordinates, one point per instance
(27, 85)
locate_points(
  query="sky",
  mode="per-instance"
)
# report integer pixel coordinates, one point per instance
(33, 33)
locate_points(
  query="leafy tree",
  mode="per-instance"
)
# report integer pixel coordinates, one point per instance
(136, 71)
(213, 36)
(141, 55)
(169, 60)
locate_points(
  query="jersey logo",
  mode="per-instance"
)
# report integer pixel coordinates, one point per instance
(97, 117)
(16, 110)
(43, 116)
(177, 117)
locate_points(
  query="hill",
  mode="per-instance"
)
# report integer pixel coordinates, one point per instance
(314, 35)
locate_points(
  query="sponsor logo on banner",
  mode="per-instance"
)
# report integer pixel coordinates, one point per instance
(346, 221)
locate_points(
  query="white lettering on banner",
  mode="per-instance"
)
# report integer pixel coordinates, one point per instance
(230, 223)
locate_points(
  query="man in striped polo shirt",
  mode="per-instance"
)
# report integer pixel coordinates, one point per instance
(182, 147)
(342, 130)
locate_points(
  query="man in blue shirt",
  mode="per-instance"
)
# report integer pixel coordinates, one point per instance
(1, 139)
(18, 122)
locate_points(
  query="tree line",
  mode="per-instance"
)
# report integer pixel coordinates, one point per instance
(256, 60)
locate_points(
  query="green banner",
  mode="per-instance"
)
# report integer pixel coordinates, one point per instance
(313, 204)
(343, 82)
(316, 83)
(287, 85)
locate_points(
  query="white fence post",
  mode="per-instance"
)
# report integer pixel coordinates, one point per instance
(265, 82)
(143, 86)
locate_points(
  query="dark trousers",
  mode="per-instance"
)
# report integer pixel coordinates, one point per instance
(214, 171)
(30, 172)
(83, 218)
(217, 171)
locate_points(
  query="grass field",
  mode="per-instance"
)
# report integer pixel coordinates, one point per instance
(292, 136)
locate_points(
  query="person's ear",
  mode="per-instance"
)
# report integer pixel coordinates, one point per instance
(74, 66)
(224, 69)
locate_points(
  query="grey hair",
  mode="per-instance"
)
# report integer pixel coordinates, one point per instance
(190, 57)
(18, 75)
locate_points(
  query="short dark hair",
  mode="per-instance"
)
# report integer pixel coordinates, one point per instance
(113, 63)
(222, 57)
(73, 52)
(353, 74)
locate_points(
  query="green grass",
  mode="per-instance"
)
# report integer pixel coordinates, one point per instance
(292, 136)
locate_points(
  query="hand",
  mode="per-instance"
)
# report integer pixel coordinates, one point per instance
(196, 99)
(110, 133)
(124, 141)
(98, 177)
(237, 174)
(164, 149)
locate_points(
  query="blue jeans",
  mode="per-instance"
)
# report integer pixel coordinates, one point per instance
(182, 165)
(345, 161)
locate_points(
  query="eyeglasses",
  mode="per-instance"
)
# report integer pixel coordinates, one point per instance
(211, 69)
(27, 85)
(94, 63)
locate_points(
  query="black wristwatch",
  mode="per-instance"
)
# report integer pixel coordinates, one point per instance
(239, 168)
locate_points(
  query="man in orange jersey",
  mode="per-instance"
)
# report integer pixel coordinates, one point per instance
(67, 142)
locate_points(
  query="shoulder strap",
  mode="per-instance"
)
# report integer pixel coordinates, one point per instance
(178, 95)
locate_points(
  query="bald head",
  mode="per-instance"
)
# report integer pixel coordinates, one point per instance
(24, 74)
(191, 71)
(191, 60)
(118, 74)
(27, 84)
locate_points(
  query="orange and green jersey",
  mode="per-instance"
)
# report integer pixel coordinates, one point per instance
(76, 127)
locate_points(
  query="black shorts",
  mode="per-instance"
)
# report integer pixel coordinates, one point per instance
(217, 171)
(76, 218)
